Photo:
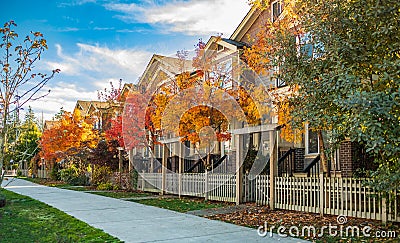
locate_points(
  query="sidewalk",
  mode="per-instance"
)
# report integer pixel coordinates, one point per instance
(133, 222)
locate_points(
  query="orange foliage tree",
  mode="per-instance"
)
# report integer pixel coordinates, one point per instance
(264, 58)
(208, 97)
(70, 136)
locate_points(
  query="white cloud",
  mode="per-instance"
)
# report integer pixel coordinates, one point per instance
(95, 62)
(192, 17)
(62, 95)
(85, 71)
(75, 3)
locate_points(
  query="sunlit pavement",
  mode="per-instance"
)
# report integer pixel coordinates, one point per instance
(133, 222)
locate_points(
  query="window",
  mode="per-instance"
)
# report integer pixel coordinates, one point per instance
(279, 82)
(308, 47)
(276, 10)
(305, 47)
(223, 74)
(311, 141)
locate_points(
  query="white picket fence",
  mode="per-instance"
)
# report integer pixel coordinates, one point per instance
(219, 187)
(9, 172)
(42, 173)
(339, 196)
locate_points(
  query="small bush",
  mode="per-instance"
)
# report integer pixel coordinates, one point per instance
(55, 173)
(101, 175)
(68, 174)
(108, 186)
(134, 178)
(19, 173)
(72, 177)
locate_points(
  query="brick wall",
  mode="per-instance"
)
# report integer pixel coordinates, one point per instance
(346, 158)
(299, 159)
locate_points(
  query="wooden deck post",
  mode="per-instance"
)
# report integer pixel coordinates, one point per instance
(273, 167)
(206, 188)
(321, 193)
(239, 169)
(164, 168)
(143, 181)
(384, 211)
(181, 157)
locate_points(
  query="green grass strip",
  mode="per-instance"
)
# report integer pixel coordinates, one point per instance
(24, 219)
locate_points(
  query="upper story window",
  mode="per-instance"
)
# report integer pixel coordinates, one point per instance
(222, 74)
(279, 82)
(276, 9)
(308, 47)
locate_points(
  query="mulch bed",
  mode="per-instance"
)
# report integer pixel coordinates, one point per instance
(255, 216)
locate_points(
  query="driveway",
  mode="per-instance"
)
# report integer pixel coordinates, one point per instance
(133, 222)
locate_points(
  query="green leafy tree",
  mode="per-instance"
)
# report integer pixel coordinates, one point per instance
(341, 62)
(26, 145)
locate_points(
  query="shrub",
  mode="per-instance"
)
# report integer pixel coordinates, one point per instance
(101, 175)
(55, 173)
(108, 186)
(68, 174)
(134, 178)
(19, 173)
(73, 177)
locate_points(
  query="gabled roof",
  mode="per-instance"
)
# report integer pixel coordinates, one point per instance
(246, 24)
(235, 43)
(97, 106)
(161, 65)
(125, 91)
(82, 105)
(49, 124)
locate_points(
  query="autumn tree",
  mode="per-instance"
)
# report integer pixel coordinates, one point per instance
(115, 131)
(137, 127)
(71, 139)
(198, 106)
(19, 82)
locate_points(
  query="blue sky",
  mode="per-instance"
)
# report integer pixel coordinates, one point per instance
(94, 42)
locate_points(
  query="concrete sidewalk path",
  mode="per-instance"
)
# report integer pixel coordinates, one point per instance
(133, 222)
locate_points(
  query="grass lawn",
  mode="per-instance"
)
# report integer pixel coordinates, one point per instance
(58, 184)
(90, 189)
(182, 205)
(122, 194)
(24, 219)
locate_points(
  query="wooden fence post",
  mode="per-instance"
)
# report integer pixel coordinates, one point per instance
(206, 184)
(143, 180)
(239, 169)
(273, 160)
(321, 194)
(180, 161)
(164, 169)
(384, 211)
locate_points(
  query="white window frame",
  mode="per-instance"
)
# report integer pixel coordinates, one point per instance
(272, 10)
(306, 39)
(224, 73)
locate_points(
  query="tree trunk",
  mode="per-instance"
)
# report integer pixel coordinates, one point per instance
(324, 160)
(3, 140)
